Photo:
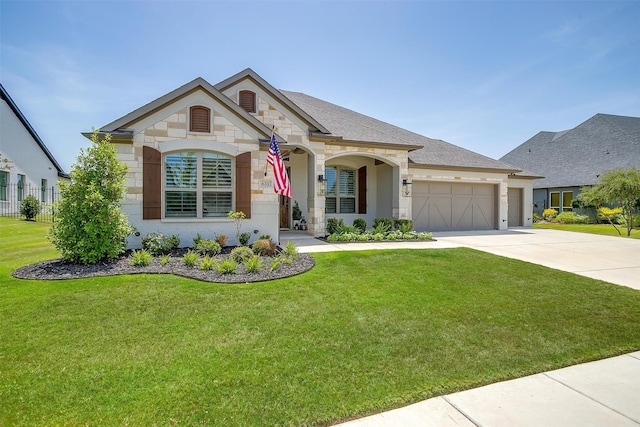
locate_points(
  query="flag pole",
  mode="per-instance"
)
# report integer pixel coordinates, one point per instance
(273, 128)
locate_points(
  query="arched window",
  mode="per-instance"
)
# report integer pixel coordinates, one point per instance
(247, 100)
(199, 119)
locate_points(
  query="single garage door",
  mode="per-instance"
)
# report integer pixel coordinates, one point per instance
(439, 206)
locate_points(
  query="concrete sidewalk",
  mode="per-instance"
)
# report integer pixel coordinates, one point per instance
(601, 393)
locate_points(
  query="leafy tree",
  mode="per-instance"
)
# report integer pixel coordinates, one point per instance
(88, 226)
(30, 207)
(620, 186)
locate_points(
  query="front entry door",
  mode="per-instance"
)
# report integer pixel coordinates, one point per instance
(284, 211)
(285, 205)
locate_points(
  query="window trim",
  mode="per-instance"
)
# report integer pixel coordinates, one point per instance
(4, 186)
(568, 208)
(199, 189)
(551, 205)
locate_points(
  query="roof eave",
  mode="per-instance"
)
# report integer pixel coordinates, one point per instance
(374, 144)
(463, 168)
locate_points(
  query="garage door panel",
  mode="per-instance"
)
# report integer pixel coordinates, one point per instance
(453, 206)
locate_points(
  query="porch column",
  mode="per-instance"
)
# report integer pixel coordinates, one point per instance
(315, 200)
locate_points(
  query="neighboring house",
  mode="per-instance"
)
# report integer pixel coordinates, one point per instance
(574, 158)
(200, 151)
(31, 168)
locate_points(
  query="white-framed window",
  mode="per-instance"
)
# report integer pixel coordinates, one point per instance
(21, 184)
(197, 184)
(43, 190)
(567, 198)
(561, 201)
(340, 189)
(4, 184)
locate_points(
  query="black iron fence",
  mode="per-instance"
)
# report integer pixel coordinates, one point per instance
(12, 195)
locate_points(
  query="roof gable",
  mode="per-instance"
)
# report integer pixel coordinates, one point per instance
(576, 157)
(119, 126)
(248, 73)
(14, 107)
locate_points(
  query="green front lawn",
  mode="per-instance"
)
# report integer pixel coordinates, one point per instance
(361, 332)
(604, 229)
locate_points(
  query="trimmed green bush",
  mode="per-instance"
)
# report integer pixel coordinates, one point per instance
(360, 224)
(244, 238)
(190, 259)
(207, 247)
(549, 214)
(253, 264)
(158, 244)
(29, 207)
(571, 218)
(404, 225)
(207, 263)
(227, 266)
(382, 225)
(241, 253)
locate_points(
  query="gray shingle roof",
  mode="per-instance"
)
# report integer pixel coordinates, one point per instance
(576, 157)
(353, 126)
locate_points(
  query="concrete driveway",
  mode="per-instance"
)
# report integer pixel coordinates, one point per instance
(612, 259)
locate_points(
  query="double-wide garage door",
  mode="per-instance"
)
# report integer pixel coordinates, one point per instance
(439, 206)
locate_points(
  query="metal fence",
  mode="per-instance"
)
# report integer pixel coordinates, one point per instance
(12, 195)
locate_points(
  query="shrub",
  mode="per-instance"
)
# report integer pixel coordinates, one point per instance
(222, 240)
(275, 264)
(157, 244)
(265, 236)
(360, 224)
(381, 228)
(190, 259)
(244, 238)
(241, 254)
(207, 263)
(572, 218)
(347, 229)
(208, 247)
(88, 225)
(610, 214)
(264, 247)
(404, 225)
(140, 258)
(636, 221)
(549, 214)
(253, 264)
(388, 222)
(291, 250)
(536, 217)
(227, 266)
(29, 207)
(164, 260)
(197, 239)
(334, 224)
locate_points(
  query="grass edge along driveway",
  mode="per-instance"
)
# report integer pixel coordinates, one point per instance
(360, 333)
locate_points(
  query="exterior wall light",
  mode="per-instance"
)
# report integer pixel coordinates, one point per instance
(406, 190)
(321, 183)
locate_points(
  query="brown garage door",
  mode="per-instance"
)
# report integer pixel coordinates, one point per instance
(439, 206)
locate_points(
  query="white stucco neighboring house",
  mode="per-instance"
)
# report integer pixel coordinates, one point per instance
(30, 166)
(200, 151)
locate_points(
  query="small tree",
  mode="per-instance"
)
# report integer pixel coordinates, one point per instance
(30, 207)
(621, 186)
(238, 219)
(88, 226)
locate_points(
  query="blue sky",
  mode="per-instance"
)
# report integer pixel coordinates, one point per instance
(484, 75)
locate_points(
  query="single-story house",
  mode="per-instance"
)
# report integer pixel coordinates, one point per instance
(27, 167)
(200, 151)
(575, 158)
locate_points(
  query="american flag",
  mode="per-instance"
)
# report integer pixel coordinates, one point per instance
(281, 184)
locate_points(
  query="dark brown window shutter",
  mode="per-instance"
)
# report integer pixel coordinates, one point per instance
(248, 101)
(362, 190)
(151, 183)
(200, 119)
(243, 184)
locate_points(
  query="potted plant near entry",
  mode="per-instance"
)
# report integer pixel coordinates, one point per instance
(296, 213)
